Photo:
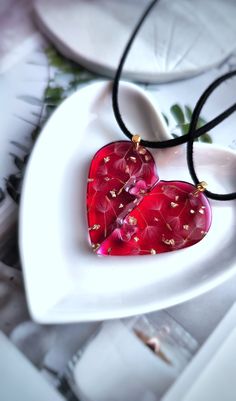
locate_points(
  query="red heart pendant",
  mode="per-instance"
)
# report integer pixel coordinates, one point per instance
(131, 212)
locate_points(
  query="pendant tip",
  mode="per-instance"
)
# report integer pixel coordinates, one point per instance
(201, 187)
(136, 139)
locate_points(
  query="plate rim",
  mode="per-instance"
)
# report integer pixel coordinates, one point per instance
(101, 68)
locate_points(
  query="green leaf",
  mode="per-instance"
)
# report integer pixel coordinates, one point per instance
(165, 118)
(26, 158)
(36, 114)
(184, 128)
(15, 195)
(188, 112)
(205, 138)
(67, 66)
(177, 114)
(35, 133)
(20, 146)
(14, 180)
(79, 79)
(201, 122)
(19, 163)
(56, 60)
(2, 195)
(50, 109)
(54, 95)
(13, 186)
(32, 100)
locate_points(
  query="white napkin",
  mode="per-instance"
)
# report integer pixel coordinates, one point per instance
(19, 380)
(117, 366)
(211, 374)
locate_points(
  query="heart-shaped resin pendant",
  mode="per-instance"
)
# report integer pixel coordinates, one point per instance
(131, 212)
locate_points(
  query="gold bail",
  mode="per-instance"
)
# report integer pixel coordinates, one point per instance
(136, 139)
(201, 186)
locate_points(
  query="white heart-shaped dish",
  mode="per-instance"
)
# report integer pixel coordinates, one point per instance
(65, 281)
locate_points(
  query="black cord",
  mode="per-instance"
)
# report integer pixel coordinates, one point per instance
(194, 120)
(171, 142)
(193, 131)
(116, 81)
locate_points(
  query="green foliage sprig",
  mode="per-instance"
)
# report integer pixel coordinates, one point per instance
(182, 117)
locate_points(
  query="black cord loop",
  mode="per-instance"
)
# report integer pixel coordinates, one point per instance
(171, 142)
(194, 120)
(193, 131)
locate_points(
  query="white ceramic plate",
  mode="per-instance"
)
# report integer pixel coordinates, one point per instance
(178, 39)
(65, 281)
